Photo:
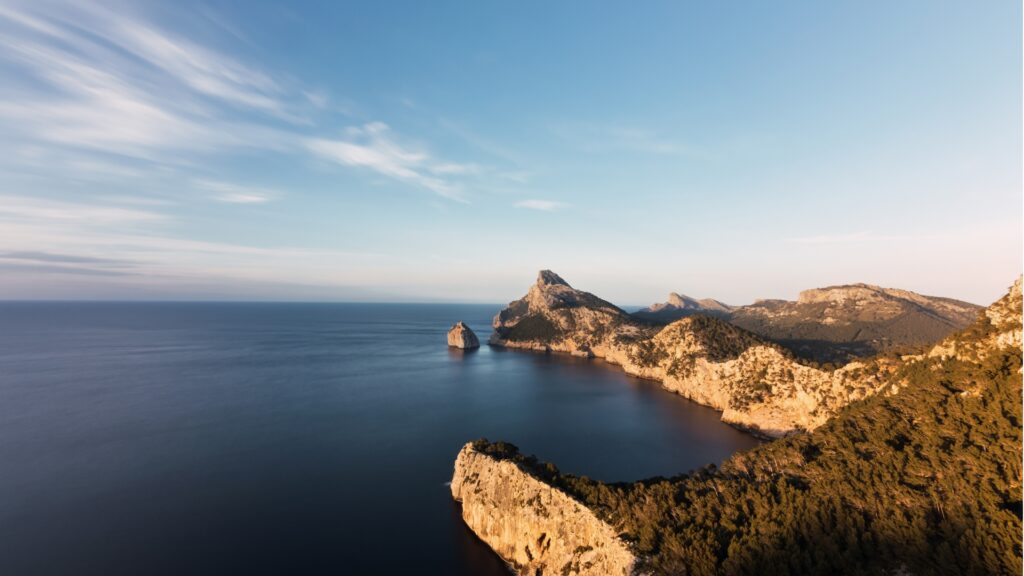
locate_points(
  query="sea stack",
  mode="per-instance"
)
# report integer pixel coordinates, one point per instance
(462, 336)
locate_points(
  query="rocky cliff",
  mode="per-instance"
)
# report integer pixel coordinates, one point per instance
(535, 527)
(756, 384)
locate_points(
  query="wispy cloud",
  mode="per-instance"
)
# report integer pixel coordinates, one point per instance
(542, 205)
(49, 263)
(592, 137)
(236, 194)
(372, 146)
(55, 237)
(107, 114)
(166, 94)
(20, 208)
(35, 256)
(176, 101)
(482, 143)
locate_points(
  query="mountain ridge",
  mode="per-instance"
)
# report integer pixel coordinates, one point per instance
(834, 323)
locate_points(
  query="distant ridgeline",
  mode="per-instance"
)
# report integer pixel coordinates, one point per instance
(834, 324)
(921, 477)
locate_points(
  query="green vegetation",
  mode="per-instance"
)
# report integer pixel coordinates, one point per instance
(925, 481)
(839, 343)
(535, 327)
(648, 354)
(721, 341)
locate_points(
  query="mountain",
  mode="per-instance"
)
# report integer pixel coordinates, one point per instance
(554, 312)
(924, 478)
(680, 306)
(757, 384)
(834, 324)
(840, 322)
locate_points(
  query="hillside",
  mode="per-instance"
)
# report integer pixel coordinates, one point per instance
(835, 324)
(839, 322)
(923, 479)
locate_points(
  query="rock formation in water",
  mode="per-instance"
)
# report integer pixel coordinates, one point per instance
(533, 526)
(462, 336)
(756, 384)
(922, 478)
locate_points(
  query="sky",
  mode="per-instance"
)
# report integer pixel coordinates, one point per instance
(446, 151)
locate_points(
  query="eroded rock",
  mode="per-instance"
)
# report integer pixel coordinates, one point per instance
(535, 527)
(461, 336)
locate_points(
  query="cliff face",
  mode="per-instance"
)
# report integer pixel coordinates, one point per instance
(756, 384)
(1001, 324)
(535, 527)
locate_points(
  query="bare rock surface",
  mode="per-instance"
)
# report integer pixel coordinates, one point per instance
(461, 336)
(535, 527)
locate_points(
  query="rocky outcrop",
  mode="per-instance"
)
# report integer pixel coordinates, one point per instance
(1002, 324)
(535, 527)
(757, 385)
(554, 313)
(461, 336)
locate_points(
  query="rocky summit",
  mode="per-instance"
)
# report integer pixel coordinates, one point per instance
(461, 336)
(679, 306)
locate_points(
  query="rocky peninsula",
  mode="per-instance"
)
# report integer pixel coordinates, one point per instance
(923, 477)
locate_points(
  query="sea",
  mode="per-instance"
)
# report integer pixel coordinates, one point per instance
(292, 438)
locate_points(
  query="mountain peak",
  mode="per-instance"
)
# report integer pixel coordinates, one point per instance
(677, 300)
(549, 278)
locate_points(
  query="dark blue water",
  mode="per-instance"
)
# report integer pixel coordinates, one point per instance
(290, 438)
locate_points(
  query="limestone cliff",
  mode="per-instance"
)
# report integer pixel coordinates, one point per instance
(756, 384)
(1001, 323)
(535, 527)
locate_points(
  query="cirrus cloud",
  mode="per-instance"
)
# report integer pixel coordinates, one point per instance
(541, 205)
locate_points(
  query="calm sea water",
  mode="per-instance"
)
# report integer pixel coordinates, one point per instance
(179, 438)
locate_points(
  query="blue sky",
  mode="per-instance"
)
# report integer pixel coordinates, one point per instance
(414, 151)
